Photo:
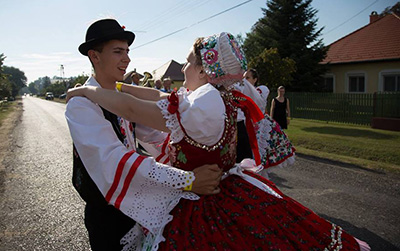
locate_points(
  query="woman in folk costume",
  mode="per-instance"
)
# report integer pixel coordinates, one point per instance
(249, 213)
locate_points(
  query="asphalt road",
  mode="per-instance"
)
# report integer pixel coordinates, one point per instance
(40, 210)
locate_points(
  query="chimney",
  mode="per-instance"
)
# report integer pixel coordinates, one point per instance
(373, 17)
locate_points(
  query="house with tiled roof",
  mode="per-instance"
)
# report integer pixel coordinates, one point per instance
(366, 60)
(172, 70)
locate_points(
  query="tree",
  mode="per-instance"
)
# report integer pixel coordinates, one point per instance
(57, 89)
(290, 26)
(394, 9)
(273, 70)
(5, 85)
(32, 88)
(75, 80)
(16, 77)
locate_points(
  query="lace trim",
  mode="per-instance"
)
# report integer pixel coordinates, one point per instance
(172, 122)
(156, 193)
(139, 238)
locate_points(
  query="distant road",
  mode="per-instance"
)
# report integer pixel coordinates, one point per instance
(40, 210)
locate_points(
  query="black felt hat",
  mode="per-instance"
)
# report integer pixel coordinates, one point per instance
(104, 30)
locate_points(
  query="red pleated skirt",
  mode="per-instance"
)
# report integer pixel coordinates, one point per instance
(243, 217)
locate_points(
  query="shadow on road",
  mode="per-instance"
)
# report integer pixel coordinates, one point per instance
(349, 132)
(279, 181)
(375, 242)
(339, 163)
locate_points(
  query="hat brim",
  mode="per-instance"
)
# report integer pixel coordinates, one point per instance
(125, 35)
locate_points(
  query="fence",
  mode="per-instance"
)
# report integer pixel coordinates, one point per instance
(343, 107)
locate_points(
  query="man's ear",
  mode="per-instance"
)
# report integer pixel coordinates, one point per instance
(93, 56)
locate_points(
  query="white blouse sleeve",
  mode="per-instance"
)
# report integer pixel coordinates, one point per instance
(202, 115)
(251, 91)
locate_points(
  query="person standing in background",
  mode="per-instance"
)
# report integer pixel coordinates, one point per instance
(280, 109)
(157, 84)
(251, 75)
(133, 78)
(166, 85)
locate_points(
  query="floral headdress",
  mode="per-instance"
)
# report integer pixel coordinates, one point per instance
(223, 59)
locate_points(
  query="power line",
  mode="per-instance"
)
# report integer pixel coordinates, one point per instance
(352, 17)
(178, 10)
(187, 27)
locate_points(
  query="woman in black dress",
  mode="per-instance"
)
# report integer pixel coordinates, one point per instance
(280, 110)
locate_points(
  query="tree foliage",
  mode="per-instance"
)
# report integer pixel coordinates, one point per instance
(290, 26)
(273, 70)
(11, 79)
(393, 9)
(16, 77)
(5, 85)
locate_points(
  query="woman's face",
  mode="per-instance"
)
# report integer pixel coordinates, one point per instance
(281, 91)
(249, 77)
(192, 72)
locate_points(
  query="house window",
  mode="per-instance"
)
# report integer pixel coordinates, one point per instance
(391, 83)
(356, 84)
(326, 84)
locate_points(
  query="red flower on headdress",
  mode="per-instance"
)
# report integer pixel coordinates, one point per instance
(211, 56)
(123, 27)
(173, 102)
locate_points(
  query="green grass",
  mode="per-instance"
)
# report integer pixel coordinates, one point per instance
(359, 145)
(5, 109)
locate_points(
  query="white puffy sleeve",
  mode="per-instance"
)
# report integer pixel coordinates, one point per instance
(201, 114)
(249, 90)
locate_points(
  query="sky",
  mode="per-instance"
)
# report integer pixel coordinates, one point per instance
(38, 36)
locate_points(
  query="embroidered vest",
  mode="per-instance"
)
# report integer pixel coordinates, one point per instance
(188, 154)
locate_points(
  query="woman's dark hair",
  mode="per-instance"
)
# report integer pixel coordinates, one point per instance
(254, 74)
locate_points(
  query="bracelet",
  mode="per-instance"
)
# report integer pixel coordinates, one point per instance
(119, 87)
(188, 187)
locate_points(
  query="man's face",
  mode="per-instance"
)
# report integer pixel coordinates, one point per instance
(113, 61)
(167, 84)
(135, 78)
(157, 84)
(249, 77)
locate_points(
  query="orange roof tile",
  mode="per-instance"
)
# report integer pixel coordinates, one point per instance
(379, 40)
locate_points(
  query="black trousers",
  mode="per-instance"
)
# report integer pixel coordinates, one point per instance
(106, 226)
(243, 149)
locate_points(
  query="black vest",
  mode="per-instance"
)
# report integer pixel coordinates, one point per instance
(81, 180)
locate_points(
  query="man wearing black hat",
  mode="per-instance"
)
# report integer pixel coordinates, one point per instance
(107, 172)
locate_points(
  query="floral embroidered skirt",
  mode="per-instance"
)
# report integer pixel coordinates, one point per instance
(243, 217)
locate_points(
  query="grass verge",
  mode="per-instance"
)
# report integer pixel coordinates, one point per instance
(358, 145)
(6, 109)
